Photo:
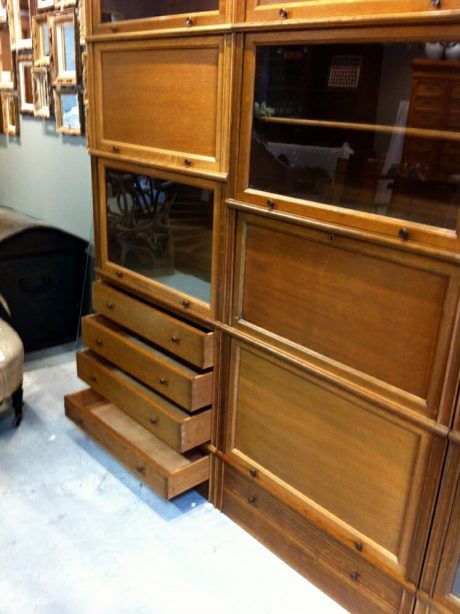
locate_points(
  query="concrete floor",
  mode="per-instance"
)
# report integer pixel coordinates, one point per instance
(81, 535)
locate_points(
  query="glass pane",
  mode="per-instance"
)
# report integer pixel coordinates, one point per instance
(456, 587)
(162, 230)
(119, 10)
(69, 47)
(46, 39)
(70, 111)
(370, 127)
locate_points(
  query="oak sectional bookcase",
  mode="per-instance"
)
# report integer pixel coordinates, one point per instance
(276, 202)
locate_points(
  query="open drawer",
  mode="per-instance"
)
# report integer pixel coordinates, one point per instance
(163, 469)
(164, 419)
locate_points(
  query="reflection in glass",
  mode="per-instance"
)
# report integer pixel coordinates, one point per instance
(120, 10)
(161, 230)
(456, 587)
(70, 111)
(371, 127)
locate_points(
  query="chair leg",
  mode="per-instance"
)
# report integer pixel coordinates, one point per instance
(17, 406)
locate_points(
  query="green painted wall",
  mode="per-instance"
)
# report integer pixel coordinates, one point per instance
(48, 176)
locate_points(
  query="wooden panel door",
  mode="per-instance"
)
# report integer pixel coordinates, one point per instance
(362, 474)
(164, 102)
(374, 318)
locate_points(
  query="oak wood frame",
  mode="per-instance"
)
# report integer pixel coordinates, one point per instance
(200, 22)
(214, 166)
(379, 224)
(14, 19)
(61, 128)
(38, 39)
(43, 101)
(434, 411)
(169, 297)
(5, 49)
(10, 114)
(24, 61)
(56, 23)
(3, 12)
(45, 5)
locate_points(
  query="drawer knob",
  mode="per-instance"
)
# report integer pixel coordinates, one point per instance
(436, 3)
(119, 274)
(154, 421)
(110, 305)
(99, 342)
(189, 21)
(403, 234)
(354, 576)
(252, 500)
(114, 28)
(186, 304)
(253, 472)
(270, 205)
(187, 163)
(175, 339)
(115, 149)
(283, 13)
(141, 469)
(93, 378)
(163, 381)
(359, 546)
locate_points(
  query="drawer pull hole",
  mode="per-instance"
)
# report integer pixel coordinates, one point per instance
(253, 472)
(175, 339)
(141, 469)
(163, 381)
(99, 342)
(252, 500)
(436, 3)
(110, 305)
(354, 576)
(270, 205)
(154, 421)
(114, 28)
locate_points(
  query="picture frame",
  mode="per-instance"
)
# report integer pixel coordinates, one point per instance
(7, 61)
(41, 40)
(65, 62)
(43, 101)
(68, 106)
(10, 113)
(20, 22)
(25, 84)
(45, 5)
(3, 12)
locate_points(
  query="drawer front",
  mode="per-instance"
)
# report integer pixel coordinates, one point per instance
(361, 468)
(166, 421)
(430, 89)
(339, 571)
(426, 119)
(392, 312)
(187, 387)
(188, 342)
(167, 472)
(143, 118)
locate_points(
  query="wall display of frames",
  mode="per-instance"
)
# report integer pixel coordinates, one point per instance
(10, 114)
(41, 93)
(41, 40)
(64, 48)
(68, 106)
(25, 85)
(7, 72)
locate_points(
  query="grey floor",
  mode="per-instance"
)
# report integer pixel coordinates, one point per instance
(81, 535)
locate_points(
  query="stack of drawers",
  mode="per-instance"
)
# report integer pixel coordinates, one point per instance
(149, 404)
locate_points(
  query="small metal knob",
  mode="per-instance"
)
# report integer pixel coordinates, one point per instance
(99, 342)
(436, 3)
(252, 500)
(283, 13)
(187, 163)
(163, 381)
(359, 546)
(189, 22)
(115, 149)
(141, 469)
(403, 234)
(93, 378)
(113, 27)
(270, 205)
(154, 421)
(253, 472)
(175, 339)
(354, 576)
(186, 304)
(119, 274)
(110, 305)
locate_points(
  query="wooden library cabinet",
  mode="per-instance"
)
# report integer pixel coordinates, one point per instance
(276, 205)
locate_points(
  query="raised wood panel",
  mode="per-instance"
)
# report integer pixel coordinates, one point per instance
(374, 311)
(187, 387)
(163, 102)
(163, 469)
(343, 574)
(358, 467)
(311, 11)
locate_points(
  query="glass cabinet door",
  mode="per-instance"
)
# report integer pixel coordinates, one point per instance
(159, 234)
(128, 16)
(372, 128)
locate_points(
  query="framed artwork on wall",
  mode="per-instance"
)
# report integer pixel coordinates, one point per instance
(20, 21)
(45, 5)
(7, 72)
(3, 12)
(25, 84)
(41, 40)
(64, 48)
(10, 114)
(68, 104)
(41, 93)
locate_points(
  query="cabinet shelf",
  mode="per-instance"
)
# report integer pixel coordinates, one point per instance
(409, 131)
